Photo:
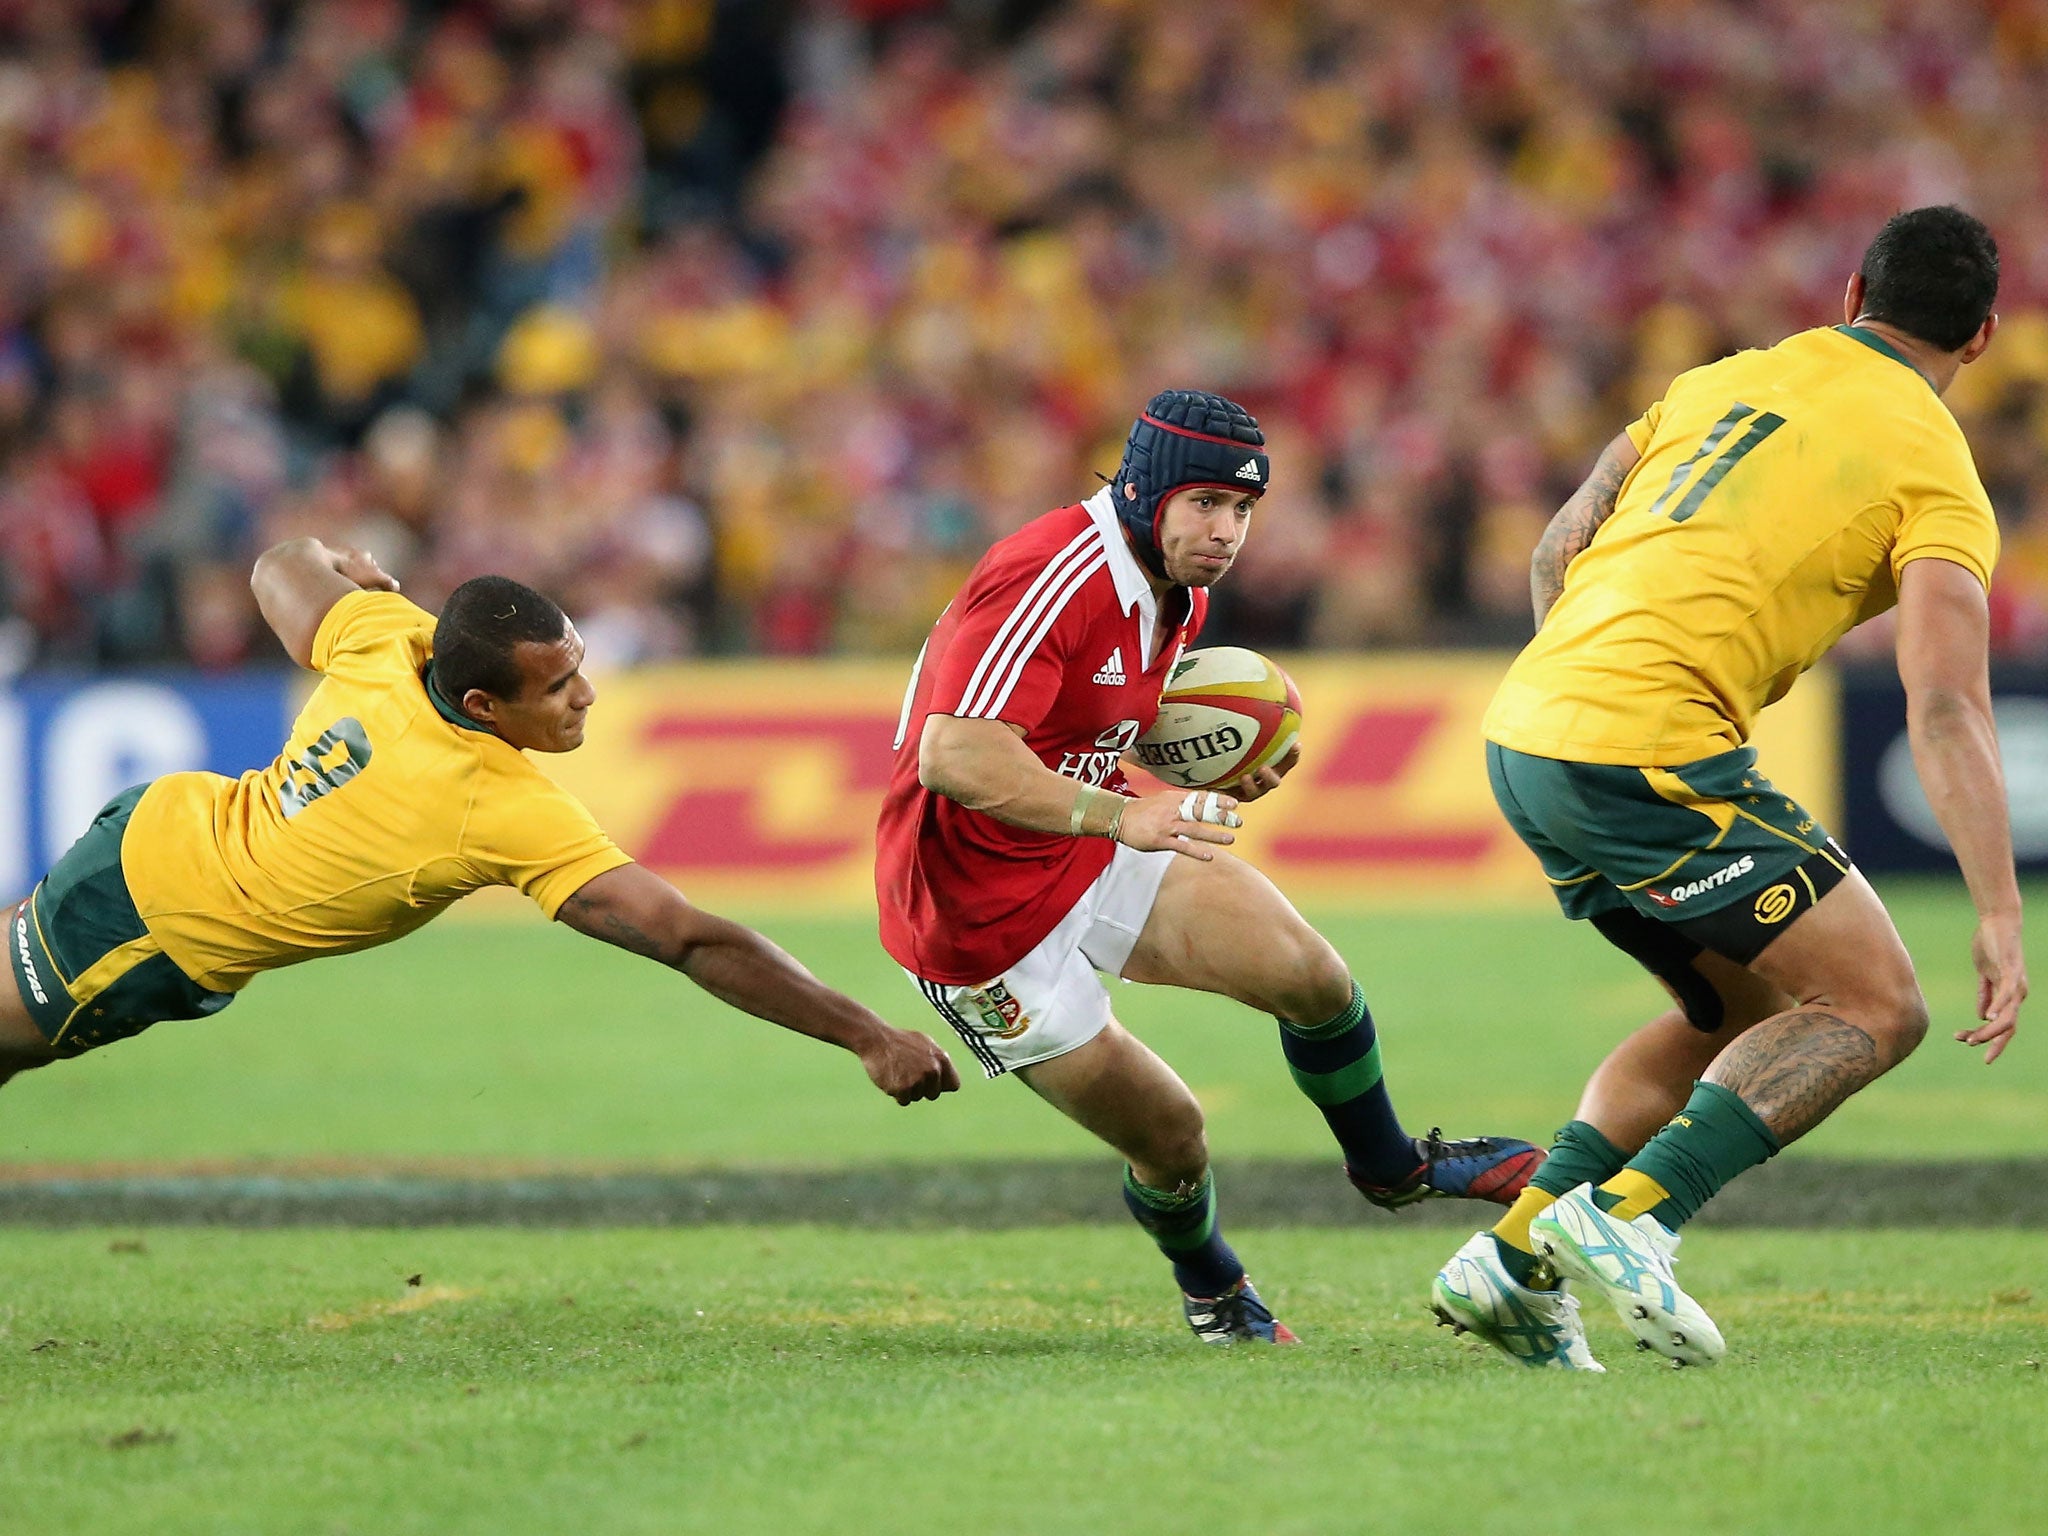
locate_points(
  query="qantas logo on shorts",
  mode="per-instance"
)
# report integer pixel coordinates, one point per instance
(1700, 887)
(28, 964)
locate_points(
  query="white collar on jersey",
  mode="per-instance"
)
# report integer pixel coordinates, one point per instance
(1132, 588)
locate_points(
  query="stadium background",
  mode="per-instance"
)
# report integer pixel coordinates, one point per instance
(742, 328)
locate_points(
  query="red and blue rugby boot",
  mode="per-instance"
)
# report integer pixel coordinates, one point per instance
(1495, 1168)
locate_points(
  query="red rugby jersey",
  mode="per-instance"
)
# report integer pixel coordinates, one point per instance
(1050, 634)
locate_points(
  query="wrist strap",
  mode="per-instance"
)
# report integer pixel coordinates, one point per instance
(1086, 801)
(1083, 798)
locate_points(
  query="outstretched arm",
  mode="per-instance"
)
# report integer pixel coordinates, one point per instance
(298, 581)
(637, 910)
(1944, 629)
(1572, 529)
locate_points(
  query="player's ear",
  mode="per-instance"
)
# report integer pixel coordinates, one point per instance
(1852, 300)
(1974, 347)
(480, 707)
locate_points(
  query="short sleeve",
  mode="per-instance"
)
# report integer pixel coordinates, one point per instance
(1944, 513)
(528, 832)
(1009, 653)
(1644, 427)
(362, 621)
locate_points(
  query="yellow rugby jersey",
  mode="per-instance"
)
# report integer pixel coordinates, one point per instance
(379, 813)
(1779, 496)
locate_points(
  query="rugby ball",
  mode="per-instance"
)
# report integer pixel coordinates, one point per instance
(1224, 712)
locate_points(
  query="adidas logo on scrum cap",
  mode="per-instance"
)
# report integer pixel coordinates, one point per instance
(1250, 471)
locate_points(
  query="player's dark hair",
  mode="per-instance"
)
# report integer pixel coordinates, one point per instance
(481, 626)
(1933, 273)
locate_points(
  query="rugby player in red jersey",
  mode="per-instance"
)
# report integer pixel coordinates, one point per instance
(1013, 864)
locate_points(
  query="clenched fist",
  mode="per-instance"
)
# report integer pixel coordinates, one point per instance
(909, 1066)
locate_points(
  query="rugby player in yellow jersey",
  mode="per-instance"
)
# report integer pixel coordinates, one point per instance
(1722, 544)
(404, 786)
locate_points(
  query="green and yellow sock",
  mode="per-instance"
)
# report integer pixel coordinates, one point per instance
(1713, 1139)
(1579, 1154)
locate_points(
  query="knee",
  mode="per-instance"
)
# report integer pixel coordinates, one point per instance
(1317, 983)
(1887, 1006)
(1177, 1148)
(1902, 1023)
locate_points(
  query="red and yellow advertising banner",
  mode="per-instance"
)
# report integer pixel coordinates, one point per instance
(757, 783)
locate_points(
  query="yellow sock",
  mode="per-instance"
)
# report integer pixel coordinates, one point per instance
(1513, 1228)
(1634, 1193)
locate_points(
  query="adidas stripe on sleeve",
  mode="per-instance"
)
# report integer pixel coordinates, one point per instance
(1008, 657)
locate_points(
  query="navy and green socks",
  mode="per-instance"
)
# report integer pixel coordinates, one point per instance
(1337, 1065)
(1183, 1224)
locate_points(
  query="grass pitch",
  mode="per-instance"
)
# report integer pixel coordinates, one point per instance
(796, 1380)
(521, 1043)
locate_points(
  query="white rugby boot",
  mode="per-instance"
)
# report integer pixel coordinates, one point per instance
(1475, 1294)
(1631, 1264)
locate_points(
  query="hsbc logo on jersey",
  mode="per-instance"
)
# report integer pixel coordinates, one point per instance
(1719, 878)
(1094, 768)
(1000, 1012)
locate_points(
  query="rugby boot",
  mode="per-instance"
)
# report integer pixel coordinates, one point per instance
(1630, 1262)
(1492, 1168)
(1237, 1314)
(1475, 1294)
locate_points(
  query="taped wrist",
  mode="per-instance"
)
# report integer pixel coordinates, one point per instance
(1097, 813)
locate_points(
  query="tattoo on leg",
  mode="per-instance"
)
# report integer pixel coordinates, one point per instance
(1794, 1069)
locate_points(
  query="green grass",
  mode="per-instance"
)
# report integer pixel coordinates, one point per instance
(523, 1043)
(796, 1380)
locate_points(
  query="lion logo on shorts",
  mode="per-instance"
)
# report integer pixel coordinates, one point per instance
(1001, 1014)
(1776, 904)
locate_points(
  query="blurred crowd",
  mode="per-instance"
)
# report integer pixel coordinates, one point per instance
(746, 326)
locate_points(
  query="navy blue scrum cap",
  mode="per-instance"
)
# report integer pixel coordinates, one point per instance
(1186, 437)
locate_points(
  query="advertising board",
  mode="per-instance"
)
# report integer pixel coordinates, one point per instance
(757, 783)
(1888, 825)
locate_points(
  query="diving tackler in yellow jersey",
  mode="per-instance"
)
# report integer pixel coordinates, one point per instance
(385, 806)
(403, 787)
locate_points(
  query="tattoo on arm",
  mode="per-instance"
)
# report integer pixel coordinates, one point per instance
(1573, 529)
(1793, 1070)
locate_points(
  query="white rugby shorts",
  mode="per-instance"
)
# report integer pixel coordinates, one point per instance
(1053, 1001)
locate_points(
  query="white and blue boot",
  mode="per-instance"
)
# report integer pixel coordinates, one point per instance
(1475, 1294)
(1630, 1262)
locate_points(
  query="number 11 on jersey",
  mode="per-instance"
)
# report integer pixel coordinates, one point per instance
(1761, 427)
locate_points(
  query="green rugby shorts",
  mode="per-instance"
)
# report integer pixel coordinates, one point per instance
(83, 960)
(1710, 848)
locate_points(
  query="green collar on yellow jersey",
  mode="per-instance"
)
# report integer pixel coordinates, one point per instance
(1877, 343)
(446, 710)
